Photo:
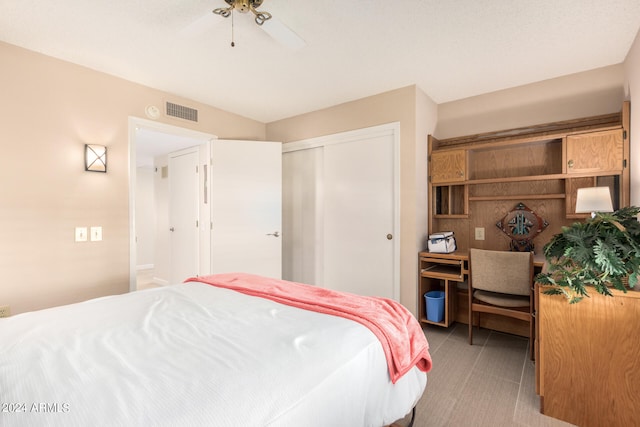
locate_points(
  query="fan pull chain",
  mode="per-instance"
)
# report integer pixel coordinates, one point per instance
(232, 36)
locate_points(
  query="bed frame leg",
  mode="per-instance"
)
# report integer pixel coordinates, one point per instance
(413, 417)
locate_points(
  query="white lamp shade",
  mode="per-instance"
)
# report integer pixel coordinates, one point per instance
(594, 199)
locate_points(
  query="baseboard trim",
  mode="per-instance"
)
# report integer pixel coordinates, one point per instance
(161, 282)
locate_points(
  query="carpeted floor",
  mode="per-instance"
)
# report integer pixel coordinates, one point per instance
(491, 383)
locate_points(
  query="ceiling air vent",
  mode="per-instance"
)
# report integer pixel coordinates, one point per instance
(182, 112)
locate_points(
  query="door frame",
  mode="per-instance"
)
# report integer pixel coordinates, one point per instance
(388, 129)
(136, 123)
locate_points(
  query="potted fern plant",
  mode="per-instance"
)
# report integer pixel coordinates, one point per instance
(602, 252)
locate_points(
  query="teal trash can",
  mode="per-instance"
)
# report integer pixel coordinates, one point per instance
(435, 306)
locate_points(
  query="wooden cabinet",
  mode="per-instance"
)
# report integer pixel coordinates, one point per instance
(588, 361)
(448, 166)
(441, 272)
(476, 180)
(595, 152)
(596, 159)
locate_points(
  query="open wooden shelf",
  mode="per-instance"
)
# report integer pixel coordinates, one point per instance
(518, 197)
(516, 179)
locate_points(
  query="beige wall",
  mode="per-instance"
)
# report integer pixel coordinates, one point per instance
(410, 107)
(590, 93)
(50, 109)
(632, 91)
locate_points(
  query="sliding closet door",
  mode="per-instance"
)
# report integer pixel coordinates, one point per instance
(359, 228)
(301, 216)
(340, 211)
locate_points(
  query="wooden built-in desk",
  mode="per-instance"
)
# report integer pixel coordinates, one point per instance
(587, 359)
(449, 273)
(444, 272)
(587, 354)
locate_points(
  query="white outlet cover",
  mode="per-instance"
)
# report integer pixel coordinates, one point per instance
(96, 234)
(81, 234)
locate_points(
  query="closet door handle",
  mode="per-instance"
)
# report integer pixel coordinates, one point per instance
(276, 234)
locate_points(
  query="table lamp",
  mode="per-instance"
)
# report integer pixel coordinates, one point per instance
(594, 199)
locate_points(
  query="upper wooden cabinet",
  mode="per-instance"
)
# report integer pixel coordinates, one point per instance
(596, 152)
(476, 180)
(448, 166)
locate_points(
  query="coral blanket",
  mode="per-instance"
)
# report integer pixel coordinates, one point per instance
(399, 332)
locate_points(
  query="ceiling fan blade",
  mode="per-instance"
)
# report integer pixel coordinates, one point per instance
(283, 34)
(205, 23)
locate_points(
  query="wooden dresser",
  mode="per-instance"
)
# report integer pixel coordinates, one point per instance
(588, 362)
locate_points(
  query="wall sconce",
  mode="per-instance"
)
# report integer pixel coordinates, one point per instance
(594, 199)
(95, 158)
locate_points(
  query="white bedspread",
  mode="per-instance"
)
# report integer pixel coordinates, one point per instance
(192, 354)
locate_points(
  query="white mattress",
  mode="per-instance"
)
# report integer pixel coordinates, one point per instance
(192, 354)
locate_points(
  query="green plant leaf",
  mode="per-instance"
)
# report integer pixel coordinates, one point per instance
(633, 279)
(601, 253)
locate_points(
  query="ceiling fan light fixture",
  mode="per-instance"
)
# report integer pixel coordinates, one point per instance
(276, 29)
(244, 6)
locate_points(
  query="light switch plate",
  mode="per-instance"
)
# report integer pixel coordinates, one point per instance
(81, 234)
(96, 234)
(479, 233)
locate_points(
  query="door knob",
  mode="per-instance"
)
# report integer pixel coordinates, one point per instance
(172, 229)
(276, 234)
(389, 236)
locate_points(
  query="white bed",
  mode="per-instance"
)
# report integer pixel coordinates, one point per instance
(193, 354)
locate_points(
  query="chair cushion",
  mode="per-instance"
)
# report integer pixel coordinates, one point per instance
(501, 271)
(503, 300)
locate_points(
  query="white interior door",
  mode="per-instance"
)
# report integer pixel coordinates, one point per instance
(359, 223)
(183, 214)
(246, 209)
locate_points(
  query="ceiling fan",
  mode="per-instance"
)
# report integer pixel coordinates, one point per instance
(274, 27)
(244, 6)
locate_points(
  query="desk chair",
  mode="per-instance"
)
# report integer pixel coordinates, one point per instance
(500, 282)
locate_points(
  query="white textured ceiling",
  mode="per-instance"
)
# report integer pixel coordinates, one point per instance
(451, 49)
